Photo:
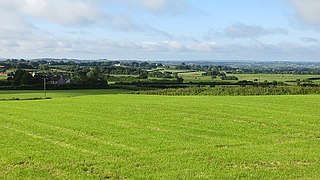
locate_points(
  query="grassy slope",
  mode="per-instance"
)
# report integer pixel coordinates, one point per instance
(165, 137)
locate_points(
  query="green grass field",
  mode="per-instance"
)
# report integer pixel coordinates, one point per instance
(160, 137)
(276, 77)
(9, 94)
(3, 77)
(196, 77)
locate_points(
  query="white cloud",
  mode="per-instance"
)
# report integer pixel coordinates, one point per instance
(178, 46)
(173, 45)
(24, 19)
(176, 6)
(155, 4)
(310, 39)
(149, 46)
(205, 46)
(25, 32)
(308, 10)
(240, 30)
(158, 6)
(85, 12)
(49, 45)
(22, 33)
(63, 12)
(75, 12)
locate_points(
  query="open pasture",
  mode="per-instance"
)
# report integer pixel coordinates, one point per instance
(274, 77)
(147, 137)
(195, 77)
(198, 77)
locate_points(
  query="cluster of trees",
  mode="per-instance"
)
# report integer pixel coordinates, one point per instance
(34, 64)
(133, 64)
(88, 77)
(279, 70)
(214, 73)
(214, 70)
(184, 66)
(132, 67)
(19, 64)
(123, 70)
(165, 74)
(96, 73)
(225, 77)
(23, 77)
(81, 78)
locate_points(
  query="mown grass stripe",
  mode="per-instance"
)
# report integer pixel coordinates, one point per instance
(48, 139)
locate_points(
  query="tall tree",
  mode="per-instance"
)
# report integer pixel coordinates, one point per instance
(18, 76)
(27, 79)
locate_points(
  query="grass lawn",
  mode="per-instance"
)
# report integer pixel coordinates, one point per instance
(160, 137)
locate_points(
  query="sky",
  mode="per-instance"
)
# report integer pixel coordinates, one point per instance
(261, 30)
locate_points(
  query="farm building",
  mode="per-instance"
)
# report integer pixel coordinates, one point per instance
(60, 80)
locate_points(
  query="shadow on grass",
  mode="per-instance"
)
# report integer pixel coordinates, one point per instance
(25, 99)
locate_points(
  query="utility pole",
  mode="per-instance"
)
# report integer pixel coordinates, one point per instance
(44, 87)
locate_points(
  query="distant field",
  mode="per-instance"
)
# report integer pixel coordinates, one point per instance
(160, 137)
(124, 75)
(276, 77)
(197, 76)
(178, 70)
(3, 77)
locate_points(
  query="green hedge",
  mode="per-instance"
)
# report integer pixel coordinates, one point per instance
(234, 91)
